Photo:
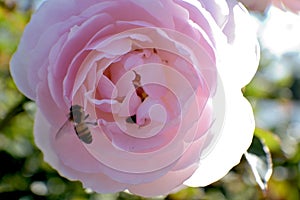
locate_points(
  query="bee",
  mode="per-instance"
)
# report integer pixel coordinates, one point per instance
(131, 119)
(78, 117)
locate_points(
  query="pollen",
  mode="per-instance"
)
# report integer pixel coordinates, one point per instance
(138, 88)
(141, 93)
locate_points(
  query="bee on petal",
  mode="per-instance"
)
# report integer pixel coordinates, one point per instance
(77, 117)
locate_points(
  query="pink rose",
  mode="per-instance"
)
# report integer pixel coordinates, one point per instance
(139, 95)
(257, 5)
(262, 5)
(292, 5)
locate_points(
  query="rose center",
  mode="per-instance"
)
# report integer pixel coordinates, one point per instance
(127, 82)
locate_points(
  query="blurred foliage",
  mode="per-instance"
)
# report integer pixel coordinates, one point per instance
(275, 100)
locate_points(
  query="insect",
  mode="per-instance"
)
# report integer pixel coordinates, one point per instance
(77, 117)
(131, 119)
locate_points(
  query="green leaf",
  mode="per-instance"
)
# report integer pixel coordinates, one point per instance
(270, 139)
(260, 161)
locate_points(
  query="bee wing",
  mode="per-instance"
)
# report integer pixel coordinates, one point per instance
(63, 129)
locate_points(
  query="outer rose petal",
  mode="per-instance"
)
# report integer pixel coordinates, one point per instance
(257, 5)
(263, 5)
(292, 5)
(25, 70)
(238, 130)
(164, 184)
(244, 52)
(239, 28)
(42, 129)
(218, 9)
(238, 113)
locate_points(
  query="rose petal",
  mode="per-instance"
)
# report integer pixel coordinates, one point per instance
(163, 185)
(106, 185)
(237, 109)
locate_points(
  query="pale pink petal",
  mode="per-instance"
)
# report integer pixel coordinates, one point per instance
(256, 5)
(292, 5)
(55, 115)
(218, 9)
(243, 42)
(224, 153)
(163, 185)
(98, 182)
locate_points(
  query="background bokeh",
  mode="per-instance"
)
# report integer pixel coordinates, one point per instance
(274, 94)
